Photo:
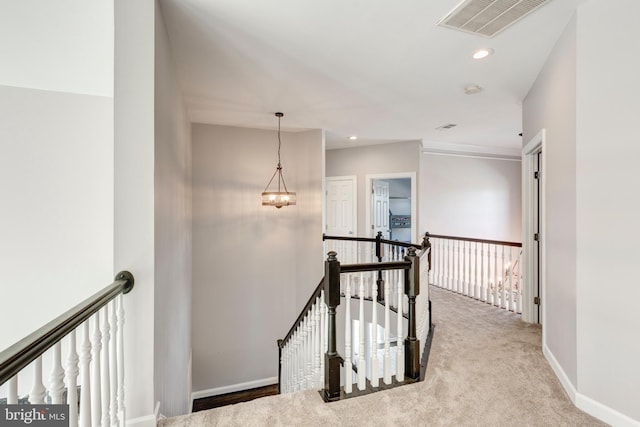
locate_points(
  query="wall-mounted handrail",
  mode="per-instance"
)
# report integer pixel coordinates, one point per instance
(28, 349)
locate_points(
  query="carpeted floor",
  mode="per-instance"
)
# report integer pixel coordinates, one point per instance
(486, 369)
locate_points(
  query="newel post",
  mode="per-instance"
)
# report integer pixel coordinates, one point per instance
(412, 289)
(426, 244)
(380, 255)
(332, 300)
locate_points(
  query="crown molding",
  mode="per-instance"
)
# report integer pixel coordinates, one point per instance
(467, 150)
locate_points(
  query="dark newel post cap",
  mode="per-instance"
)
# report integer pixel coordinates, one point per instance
(412, 251)
(332, 256)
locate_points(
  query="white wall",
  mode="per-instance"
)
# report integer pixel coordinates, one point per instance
(172, 322)
(607, 205)
(249, 281)
(374, 159)
(551, 105)
(471, 197)
(134, 201)
(56, 161)
(584, 98)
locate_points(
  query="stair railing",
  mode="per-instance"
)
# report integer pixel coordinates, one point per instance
(310, 353)
(487, 270)
(99, 364)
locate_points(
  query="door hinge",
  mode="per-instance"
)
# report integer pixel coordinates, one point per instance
(536, 175)
(536, 237)
(536, 300)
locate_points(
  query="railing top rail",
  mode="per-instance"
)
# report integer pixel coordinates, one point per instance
(307, 307)
(470, 239)
(25, 351)
(372, 240)
(375, 266)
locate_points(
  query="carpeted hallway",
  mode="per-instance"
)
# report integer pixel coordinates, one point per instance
(486, 369)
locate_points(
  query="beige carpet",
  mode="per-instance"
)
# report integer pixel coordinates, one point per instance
(486, 369)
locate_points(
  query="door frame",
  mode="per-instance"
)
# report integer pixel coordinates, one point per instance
(529, 153)
(354, 199)
(414, 191)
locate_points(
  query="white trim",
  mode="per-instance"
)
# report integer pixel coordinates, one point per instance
(529, 310)
(146, 421)
(604, 413)
(562, 376)
(354, 199)
(450, 148)
(234, 387)
(414, 199)
(473, 155)
(585, 403)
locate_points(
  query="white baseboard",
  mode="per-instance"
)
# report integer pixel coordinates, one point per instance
(604, 413)
(584, 403)
(562, 376)
(146, 421)
(234, 387)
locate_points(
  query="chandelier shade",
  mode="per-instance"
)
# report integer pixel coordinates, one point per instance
(278, 198)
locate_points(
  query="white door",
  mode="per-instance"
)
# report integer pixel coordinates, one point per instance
(380, 211)
(341, 208)
(341, 217)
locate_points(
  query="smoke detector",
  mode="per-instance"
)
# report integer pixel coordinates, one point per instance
(472, 89)
(488, 17)
(446, 126)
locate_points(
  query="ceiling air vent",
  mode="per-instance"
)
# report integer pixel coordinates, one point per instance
(488, 17)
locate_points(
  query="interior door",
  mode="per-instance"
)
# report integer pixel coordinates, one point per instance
(380, 211)
(341, 219)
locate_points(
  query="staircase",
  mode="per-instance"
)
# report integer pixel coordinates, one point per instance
(366, 326)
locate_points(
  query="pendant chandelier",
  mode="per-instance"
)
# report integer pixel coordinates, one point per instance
(278, 198)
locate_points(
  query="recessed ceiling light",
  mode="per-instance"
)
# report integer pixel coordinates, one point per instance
(482, 53)
(353, 137)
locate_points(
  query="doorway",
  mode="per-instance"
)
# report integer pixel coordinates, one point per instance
(533, 229)
(391, 208)
(342, 215)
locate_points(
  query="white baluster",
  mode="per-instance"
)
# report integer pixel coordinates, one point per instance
(72, 380)
(96, 388)
(387, 331)
(348, 369)
(38, 391)
(105, 377)
(323, 335)
(311, 339)
(483, 287)
(121, 408)
(374, 332)
(496, 302)
(12, 396)
(85, 377)
(316, 345)
(476, 272)
(503, 302)
(519, 292)
(459, 268)
(468, 259)
(361, 361)
(399, 341)
(510, 305)
(113, 367)
(56, 391)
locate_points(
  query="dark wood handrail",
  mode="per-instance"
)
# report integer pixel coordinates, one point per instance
(470, 239)
(375, 266)
(307, 307)
(373, 240)
(25, 351)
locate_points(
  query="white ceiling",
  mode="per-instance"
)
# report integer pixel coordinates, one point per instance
(378, 69)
